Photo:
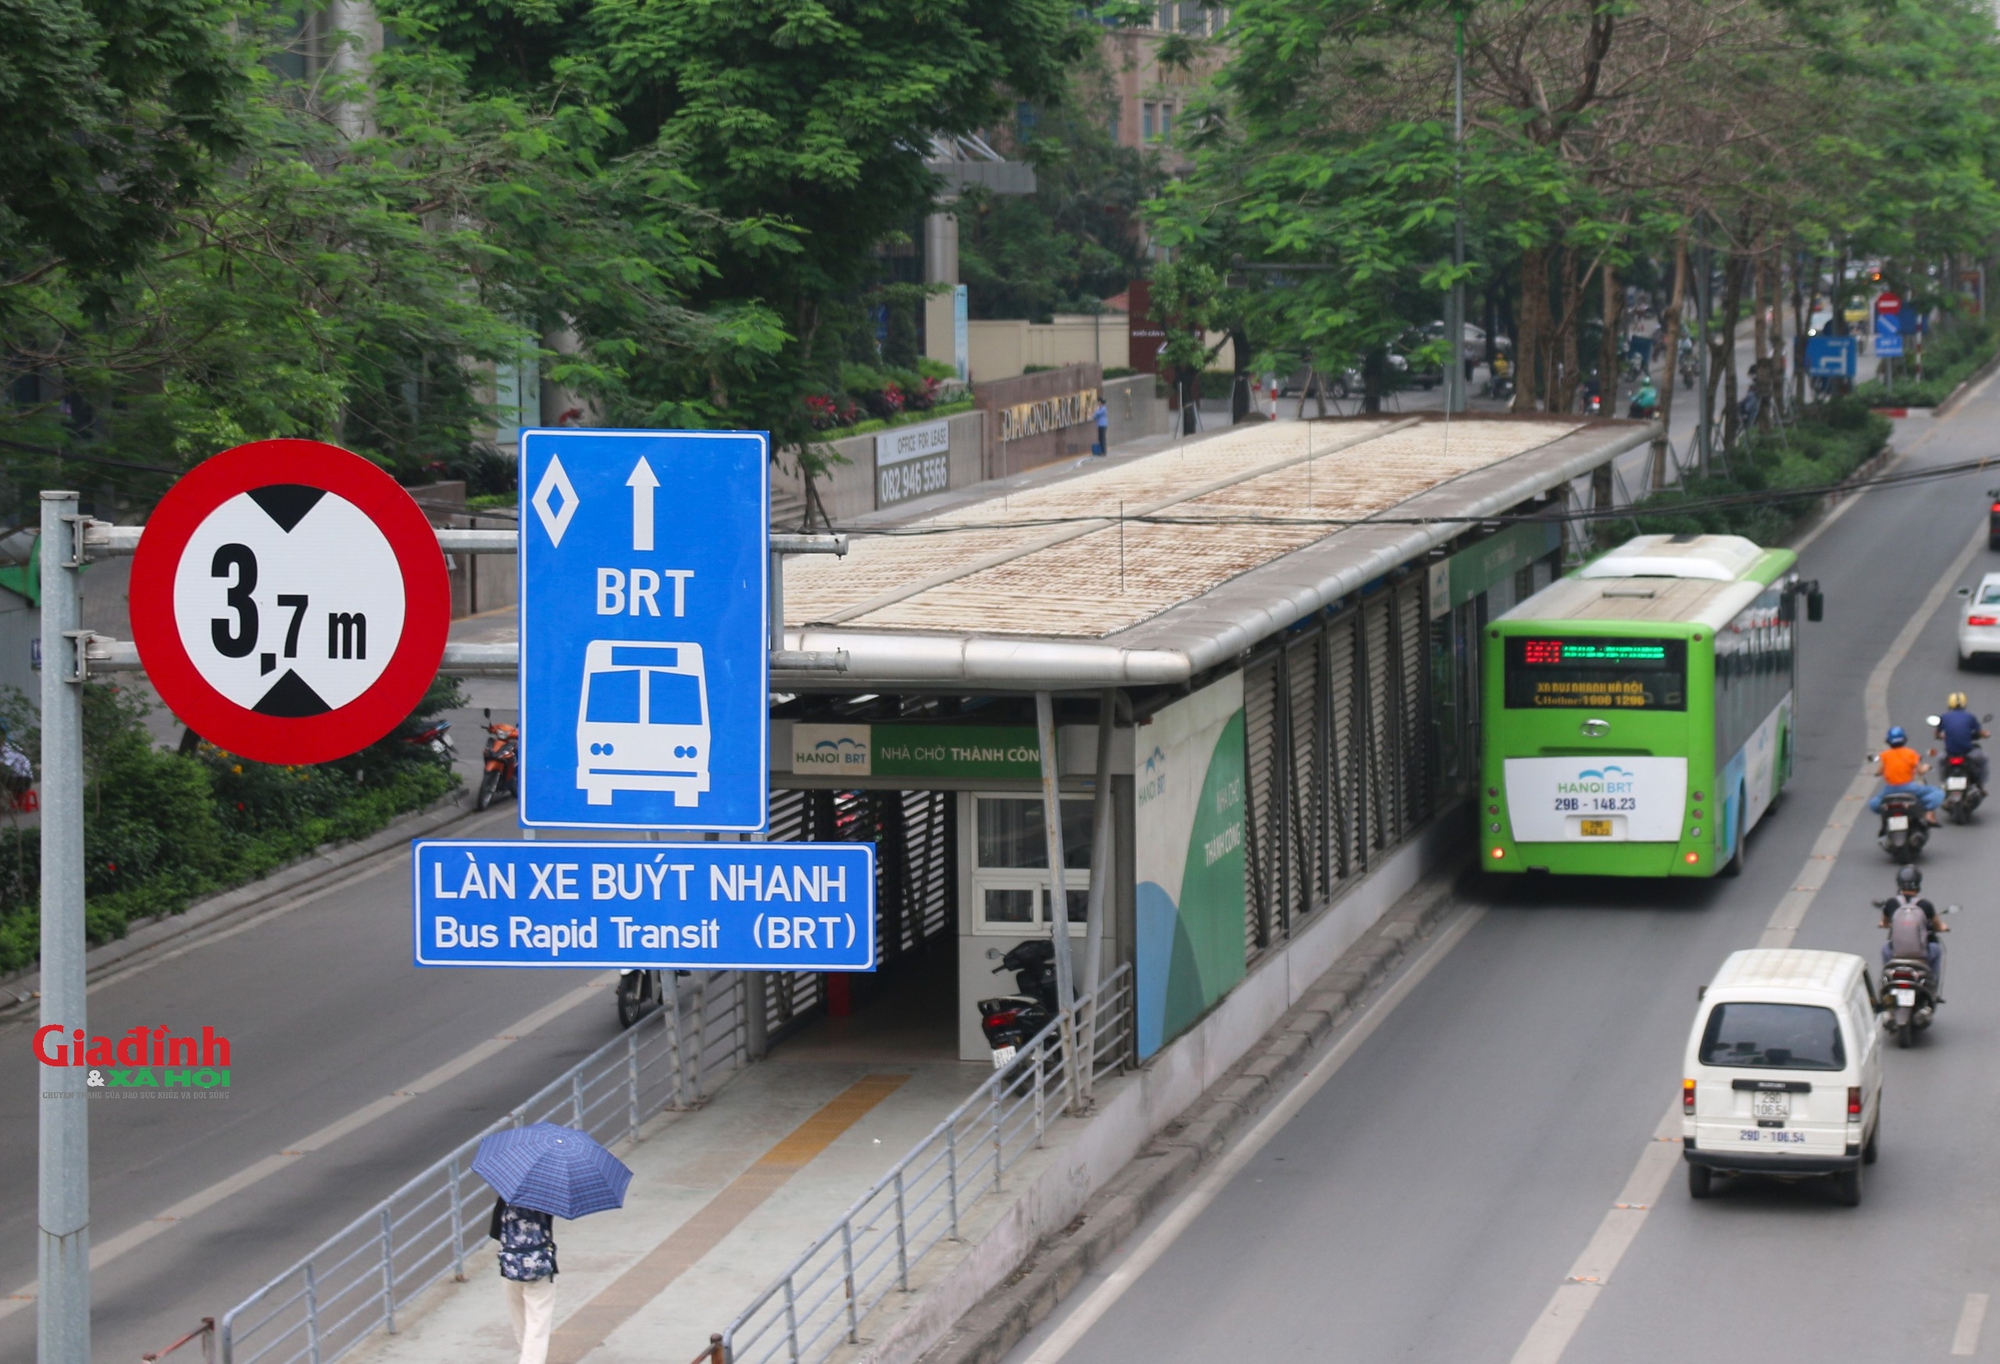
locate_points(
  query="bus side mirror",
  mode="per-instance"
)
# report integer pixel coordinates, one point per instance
(1700, 991)
(1815, 606)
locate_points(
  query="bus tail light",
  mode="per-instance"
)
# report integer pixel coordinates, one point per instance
(1693, 858)
(1497, 853)
(1854, 1103)
(1687, 1097)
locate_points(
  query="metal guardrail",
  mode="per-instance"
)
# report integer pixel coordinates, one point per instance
(355, 1281)
(817, 1305)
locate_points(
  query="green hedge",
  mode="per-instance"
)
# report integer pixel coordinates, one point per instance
(1824, 448)
(163, 827)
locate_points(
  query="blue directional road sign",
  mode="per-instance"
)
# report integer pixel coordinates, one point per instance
(1830, 357)
(645, 558)
(1888, 336)
(693, 906)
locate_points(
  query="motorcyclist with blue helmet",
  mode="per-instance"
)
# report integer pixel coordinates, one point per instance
(1901, 766)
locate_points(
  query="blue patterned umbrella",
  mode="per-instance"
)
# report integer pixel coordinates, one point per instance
(551, 1169)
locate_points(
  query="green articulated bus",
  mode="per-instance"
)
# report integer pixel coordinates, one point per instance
(1638, 712)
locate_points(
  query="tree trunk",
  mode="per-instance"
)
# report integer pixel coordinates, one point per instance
(1670, 339)
(1607, 344)
(1564, 348)
(1528, 334)
(1732, 303)
(1801, 315)
(1760, 331)
(1240, 391)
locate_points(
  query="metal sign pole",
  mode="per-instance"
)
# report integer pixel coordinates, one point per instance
(62, 1306)
(1052, 822)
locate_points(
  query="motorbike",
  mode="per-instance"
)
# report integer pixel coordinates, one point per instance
(438, 739)
(1008, 1021)
(1903, 832)
(503, 762)
(1909, 996)
(639, 993)
(1962, 794)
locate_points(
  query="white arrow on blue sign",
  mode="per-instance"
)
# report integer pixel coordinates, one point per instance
(1888, 336)
(644, 567)
(689, 906)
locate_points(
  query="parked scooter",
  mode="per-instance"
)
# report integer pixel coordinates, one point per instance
(503, 762)
(438, 739)
(1008, 1021)
(1904, 831)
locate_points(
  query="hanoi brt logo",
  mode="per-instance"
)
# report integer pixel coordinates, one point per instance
(143, 1058)
(1609, 780)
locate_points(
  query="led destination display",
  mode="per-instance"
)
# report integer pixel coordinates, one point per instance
(1596, 672)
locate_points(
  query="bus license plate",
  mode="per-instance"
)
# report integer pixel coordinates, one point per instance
(1596, 828)
(1954, 783)
(1768, 1106)
(1897, 823)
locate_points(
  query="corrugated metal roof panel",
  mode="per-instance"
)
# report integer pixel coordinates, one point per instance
(1065, 579)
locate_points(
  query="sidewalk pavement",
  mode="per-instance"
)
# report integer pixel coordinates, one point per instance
(723, 1198)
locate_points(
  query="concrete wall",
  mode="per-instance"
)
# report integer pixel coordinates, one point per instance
(479, 582)
(1031, 452)
(1137, 408)
(1004, 348)
(848, 490)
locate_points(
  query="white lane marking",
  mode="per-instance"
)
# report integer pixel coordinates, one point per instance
(1088, 1312)
(1551, 1332)
(1965, 1341)
(133, 1237)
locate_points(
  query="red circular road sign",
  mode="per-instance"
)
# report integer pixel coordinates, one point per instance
(1886, 302)
(289, 601)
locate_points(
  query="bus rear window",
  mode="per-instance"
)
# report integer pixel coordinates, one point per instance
(1595, 671)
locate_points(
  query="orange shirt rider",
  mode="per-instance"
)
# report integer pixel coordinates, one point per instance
(1901, 766)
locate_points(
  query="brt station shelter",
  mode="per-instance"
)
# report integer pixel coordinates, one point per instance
(1293, 697)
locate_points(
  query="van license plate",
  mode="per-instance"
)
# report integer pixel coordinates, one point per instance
(1596, 828)
(1897, 823)
(1764, 1105)
(1954, 783)
(1906, 996)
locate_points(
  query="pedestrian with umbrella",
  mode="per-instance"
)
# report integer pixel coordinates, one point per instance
(542, 1172)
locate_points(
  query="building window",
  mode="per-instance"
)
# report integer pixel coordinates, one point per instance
(1011, 858)
(1163, 20)
(1146, 122)
(1166, 121)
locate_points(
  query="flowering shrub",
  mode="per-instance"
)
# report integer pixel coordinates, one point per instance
(827, 413)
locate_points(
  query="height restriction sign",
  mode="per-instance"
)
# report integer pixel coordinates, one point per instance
(289, 601)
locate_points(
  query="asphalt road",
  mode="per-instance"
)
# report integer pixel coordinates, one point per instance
(325, 1015)
(1427, 1201)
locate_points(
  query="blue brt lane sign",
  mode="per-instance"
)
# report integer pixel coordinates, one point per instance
(644, 665)
(700, 906)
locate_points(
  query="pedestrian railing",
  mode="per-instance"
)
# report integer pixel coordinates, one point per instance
(818, 1304)
(357, 1280)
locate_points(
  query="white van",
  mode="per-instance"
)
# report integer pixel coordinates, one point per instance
(1784, 1071)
